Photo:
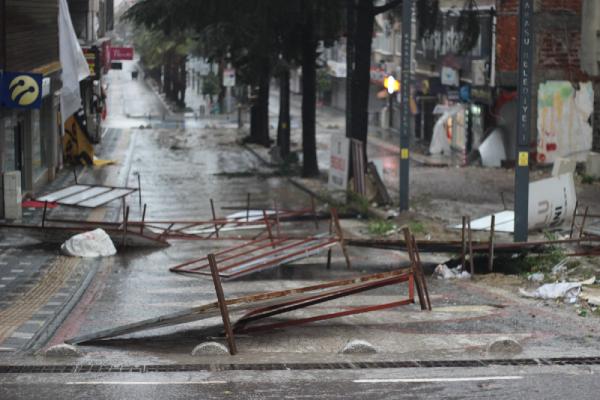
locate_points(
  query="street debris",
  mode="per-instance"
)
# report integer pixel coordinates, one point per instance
(216, 228)
(568, 291)
(591, 295)
(121, 233)
(91, 244)
(261, 306)
(381, 196)
(504, 222)
(443, 272)
(552, 202)
(88, 196)
(560, 269)
(585, 224)
(357, 150)
(563, 165)
(492, 149)
(536, 277)
(258, 255)
(37, 204)
(271, 251)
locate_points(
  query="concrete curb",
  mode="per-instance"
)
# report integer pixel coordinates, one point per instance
(47, 331)
(371, 212)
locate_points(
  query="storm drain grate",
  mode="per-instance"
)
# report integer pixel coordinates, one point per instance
(90, 368)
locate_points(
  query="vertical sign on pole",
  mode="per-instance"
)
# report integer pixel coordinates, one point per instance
(526, 41)
(407, 10)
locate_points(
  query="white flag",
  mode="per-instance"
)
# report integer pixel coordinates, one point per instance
(74, 65)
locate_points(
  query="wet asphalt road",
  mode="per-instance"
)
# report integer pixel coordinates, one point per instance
(558, 383)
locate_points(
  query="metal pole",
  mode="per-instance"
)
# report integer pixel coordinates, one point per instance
(491, 253)
(407, 10)
(214, 216)
(390, 110)
(143, 219)
(139, 179)
(470, 235)
(248, 207)
(526, 41)
(350, 15)
(464, 244)
(214, 271)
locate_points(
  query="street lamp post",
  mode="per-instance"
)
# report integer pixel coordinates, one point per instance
(392, 86)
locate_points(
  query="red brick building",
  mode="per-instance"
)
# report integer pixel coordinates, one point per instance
(565, 37)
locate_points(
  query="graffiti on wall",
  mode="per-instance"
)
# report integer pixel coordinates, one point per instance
(564, 120)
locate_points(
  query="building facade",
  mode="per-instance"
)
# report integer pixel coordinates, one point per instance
(92, 21)
(29, 138)
(566, 104)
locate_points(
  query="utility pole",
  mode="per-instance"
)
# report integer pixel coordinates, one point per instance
(526, 42)
(407, 10)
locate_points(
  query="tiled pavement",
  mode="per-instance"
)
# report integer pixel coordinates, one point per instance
(36, 283)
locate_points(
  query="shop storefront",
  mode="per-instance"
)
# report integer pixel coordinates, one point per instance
(453, 92)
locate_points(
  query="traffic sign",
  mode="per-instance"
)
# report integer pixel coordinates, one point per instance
(229, 77)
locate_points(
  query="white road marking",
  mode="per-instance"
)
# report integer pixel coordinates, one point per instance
(148, 383)
(433, 380)
(21, 335)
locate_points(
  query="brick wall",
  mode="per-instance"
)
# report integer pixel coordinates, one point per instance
(557, 49)
(558, 5)
(558, 38)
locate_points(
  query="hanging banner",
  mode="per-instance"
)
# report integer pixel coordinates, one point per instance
(21, 90)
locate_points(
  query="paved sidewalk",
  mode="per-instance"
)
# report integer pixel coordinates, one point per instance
(37, 285)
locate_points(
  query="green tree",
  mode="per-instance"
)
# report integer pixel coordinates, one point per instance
(254, 35)
(159, 52)
(362, 15)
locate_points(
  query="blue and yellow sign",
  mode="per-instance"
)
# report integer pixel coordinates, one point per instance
(21, 90)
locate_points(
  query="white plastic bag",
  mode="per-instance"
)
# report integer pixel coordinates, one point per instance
(91, 244)
(569, 291)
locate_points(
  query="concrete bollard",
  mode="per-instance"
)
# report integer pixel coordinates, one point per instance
(358, 347)
(210, 348)
(63, 350)
(505, 346)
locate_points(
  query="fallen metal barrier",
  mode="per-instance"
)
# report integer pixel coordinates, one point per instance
(261, 306)
(121, 233)
(274, 250)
